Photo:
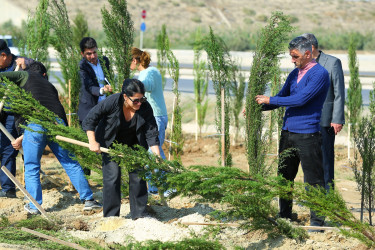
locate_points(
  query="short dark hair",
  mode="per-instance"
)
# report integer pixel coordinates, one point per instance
(132, 86)
(312, 39)
(38, 67)
(4, 47)
(87, 43)
(300, 43)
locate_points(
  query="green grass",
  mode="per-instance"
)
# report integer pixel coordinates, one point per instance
(12, 234)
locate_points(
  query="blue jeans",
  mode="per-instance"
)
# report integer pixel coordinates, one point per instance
(162, 122)
(7, 153)
(33, 144)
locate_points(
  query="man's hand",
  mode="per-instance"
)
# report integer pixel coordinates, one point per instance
(336, 127)
(17, 143)
(244, 112)
(95, 147)
(21, 62)
(107, 88)
(262, 99)
(93, 144)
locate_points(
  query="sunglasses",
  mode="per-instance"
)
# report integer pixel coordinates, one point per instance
(138, 100)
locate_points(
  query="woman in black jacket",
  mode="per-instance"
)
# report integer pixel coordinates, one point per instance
(126, 118)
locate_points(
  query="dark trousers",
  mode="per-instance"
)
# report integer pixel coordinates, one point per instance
(7, 153)
(308, 152)
(138, 195)
(86, 171)
(328, 150)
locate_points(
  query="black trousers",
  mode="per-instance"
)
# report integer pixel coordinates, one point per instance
(328, 150)
(86, 171)
(138, 195)
(308, 152)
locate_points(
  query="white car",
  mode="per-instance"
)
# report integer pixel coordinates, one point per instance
(8, 38)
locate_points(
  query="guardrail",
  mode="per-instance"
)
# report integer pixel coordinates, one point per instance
(248, 68)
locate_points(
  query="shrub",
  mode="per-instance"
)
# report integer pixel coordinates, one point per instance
(196, 19)
(261, 18)
(249, 12)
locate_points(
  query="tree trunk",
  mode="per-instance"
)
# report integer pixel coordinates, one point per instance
(222, 127)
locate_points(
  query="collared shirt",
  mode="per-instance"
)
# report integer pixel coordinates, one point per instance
(303, 71)
(100, 76)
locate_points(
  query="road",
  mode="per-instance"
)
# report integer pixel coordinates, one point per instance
(187, 86)
(366, 62)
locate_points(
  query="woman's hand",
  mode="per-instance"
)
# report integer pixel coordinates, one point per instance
(93, 144)
(155, 150)
(17, 143)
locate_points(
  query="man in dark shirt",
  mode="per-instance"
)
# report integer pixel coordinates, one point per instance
(93, 74)
(33, 142)
(9, 62)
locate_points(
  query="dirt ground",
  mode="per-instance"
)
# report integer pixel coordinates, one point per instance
(62, 203)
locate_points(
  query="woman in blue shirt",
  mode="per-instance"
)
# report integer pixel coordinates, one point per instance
(151, 78)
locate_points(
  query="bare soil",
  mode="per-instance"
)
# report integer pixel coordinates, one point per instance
(62, 202)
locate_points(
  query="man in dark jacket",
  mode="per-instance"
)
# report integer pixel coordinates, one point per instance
(94, 83)
(33, 141)
(333, 113)
(9, 62)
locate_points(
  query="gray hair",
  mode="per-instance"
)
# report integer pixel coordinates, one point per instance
(312, 39)
(301, 44)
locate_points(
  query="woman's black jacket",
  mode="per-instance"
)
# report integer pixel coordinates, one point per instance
(104, 119)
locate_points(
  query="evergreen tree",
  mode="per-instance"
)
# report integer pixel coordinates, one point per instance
(119, 29)
(176, 138)
(252, 200)
(200, 84)
(276, 116)
(163, 47)
(354, 94)
(80, 28)
(364, 138)
(221, 71)
(372, 101)
(269, 46)
(68, 54)
(35, 44)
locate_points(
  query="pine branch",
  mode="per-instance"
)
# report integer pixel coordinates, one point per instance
(21, 102)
